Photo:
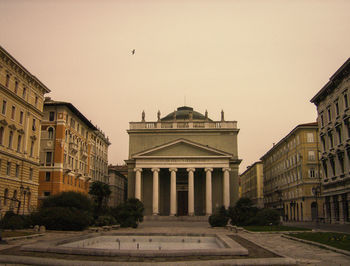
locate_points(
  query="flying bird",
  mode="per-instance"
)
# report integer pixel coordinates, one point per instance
(133, 52)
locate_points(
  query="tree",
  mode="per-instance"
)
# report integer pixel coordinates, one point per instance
(100, 192)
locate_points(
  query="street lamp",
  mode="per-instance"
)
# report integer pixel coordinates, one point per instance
(24, 192)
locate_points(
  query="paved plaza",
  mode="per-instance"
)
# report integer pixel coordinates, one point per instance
(294, 252)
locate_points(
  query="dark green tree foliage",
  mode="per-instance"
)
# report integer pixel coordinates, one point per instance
(130, 213)
(242, 212)
(100, 192)
(65, 211)
(219, 218)
(266, 217)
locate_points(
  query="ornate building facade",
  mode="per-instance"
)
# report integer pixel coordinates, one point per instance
(333, 108)
(21, 99)
(252, 184)
(292, 175)
(183, 164)
(71, 150)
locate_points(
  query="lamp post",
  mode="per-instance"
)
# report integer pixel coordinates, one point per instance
(24, 192)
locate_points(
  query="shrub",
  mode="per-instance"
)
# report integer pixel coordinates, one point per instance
(243, 212)
(105, 220)
(219, 219)
(68, 199)
(63, 218)
(12, 221)
(130, 213)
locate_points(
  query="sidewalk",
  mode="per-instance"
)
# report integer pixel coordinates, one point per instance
(343, 228)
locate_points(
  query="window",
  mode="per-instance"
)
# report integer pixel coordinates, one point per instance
(346, 103)
(337, 108)
(6, 195)
(329, 114)
(1, 135)
(8, 168)
(50, 131)
(52, 116)
(322, 121)
(21, 117)
(341, 162)
(34, 124)
(13, 112)
(72, 123)
(312, 172)
(47, 176)
(48, 158)
(310, 137)
(3, 111)
(19, 140)
(16, 86)
(31, 148)
(17, 170)
(311, 155)
(47, 193)
(332, 165)
(36, 100)
(339, 135)
(330, 139)
(7, 81)
(31, 173)
(10, 139)
(24, 93)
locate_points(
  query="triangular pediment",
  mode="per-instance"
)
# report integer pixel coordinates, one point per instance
(182, 148)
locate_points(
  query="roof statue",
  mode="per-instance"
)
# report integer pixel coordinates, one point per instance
(222, 115)
(158, 115)
(143, 116)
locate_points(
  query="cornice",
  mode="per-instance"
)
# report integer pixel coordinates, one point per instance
(22, 71)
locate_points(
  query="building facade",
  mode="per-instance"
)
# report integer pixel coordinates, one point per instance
(118, 183)
(21, 98)
(183, 163)
(99, 157)
(252, 184)
(332, 103)
(70, 146)
(292, 175)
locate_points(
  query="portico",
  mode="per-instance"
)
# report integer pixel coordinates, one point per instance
(188, 175)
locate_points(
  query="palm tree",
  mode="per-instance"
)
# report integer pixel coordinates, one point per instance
(100, 192)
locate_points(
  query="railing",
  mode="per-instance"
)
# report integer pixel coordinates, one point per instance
(187, 124)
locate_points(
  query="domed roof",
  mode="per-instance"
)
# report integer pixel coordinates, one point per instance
(183, 113)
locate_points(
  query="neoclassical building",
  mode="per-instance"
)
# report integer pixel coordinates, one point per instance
(183, 164)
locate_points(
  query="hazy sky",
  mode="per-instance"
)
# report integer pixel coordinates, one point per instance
(259, 61)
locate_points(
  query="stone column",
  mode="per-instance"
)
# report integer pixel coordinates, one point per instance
(191, 191)
(226, 187)
(138, 183)
(155, 190)
(208, 194)
(173, 191)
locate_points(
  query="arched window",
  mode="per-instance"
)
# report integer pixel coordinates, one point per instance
(50, 130)
(10, 139)
(19, 143)
(1, 135)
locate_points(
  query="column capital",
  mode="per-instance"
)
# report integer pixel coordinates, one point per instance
(208, 169)
(137, 169)
(155, 169)
(226, 169)
(191, 169)
(173, 169)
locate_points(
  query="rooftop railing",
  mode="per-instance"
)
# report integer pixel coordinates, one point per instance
(180, 124)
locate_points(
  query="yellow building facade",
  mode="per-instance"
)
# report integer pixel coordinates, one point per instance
(292, 175)
(252, 184)
(21, 99)
(70, 145)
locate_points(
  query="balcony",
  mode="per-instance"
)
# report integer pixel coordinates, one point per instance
(73, 148)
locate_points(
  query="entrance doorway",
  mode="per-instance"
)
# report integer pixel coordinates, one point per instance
(182, 203)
